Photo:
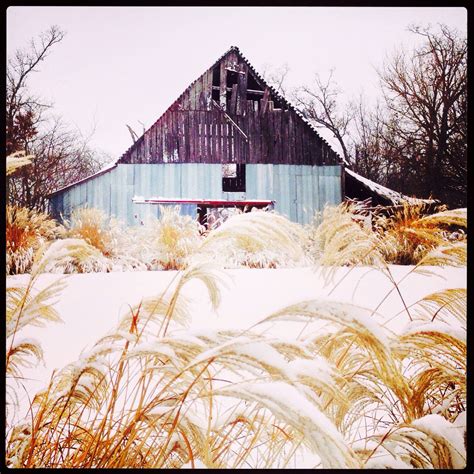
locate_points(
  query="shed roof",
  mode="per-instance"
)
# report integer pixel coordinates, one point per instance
(387, 194)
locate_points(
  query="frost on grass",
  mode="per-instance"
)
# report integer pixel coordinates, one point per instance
(319, 433)
(357, 395)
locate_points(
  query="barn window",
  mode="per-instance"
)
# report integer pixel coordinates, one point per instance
(233, 177)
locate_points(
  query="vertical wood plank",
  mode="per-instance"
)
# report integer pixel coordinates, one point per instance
(223, 84)
(192, 145)
(233, 100)
(264, 102)
(159, 141)
(217, 139)
(202, 118)
(242, 90)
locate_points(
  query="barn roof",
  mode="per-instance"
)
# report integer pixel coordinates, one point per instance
(388, 195)
(259, 79)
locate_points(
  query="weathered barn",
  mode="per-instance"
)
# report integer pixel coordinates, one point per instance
(229, 140)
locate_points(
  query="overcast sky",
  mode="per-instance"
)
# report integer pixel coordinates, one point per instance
(122, 65)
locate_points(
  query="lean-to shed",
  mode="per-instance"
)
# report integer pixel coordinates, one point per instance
(229, 140)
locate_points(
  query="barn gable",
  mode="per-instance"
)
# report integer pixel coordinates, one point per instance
(229, 141)
(231, 115)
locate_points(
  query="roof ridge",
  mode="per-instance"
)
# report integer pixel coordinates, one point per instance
(236, 49)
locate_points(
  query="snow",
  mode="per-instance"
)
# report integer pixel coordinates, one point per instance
(91, 306)
(444, 432)
(416, 327)
(390, 194)
(107, 167)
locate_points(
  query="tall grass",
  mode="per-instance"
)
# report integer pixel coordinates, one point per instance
(348, 235)
(154, 394)
(409, 234)
(26, 231)
(167, 242)
(256, 239)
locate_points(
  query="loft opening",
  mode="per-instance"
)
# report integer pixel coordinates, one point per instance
(216, 80)
(233, 177)
(232, 77)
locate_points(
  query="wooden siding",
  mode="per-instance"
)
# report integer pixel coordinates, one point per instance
(298, 190)
(229, 122)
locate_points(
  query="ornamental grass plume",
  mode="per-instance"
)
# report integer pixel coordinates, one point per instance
(257, 239)
(18, 160)
(395, 382)
(344, 237)
(410, 234)
(26, 231)
(167, 242)
(92, 226)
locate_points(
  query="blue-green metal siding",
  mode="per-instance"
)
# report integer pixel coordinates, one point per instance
(298, 190)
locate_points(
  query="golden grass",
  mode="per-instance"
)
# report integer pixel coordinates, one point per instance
(153, 394)
(26, 230)
(257, 239)
(348, 235)
(409, 234)
(167, 242)
(17, 160)
(92, 226)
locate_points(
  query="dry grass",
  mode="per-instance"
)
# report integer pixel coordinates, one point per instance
(17, 160)
(153, 394)
(26, 232)
(348, 237)
(410, 234)
(92, 226)
(167, 242)
(344, 237)
(257, 239)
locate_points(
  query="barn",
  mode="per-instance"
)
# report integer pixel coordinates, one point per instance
(230, 140)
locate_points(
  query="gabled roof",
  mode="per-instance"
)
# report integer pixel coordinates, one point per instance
(261, 82)
(257, 77)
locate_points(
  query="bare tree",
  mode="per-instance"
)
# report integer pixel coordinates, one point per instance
(426, 94)
(277, 77)
(23, 110)
(369, 146)
(321, 105)
(61, 155)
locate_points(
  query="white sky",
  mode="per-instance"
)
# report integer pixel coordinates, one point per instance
(121, 65)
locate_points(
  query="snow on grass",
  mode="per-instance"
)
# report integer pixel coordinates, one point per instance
(91, 305)
(444, 432)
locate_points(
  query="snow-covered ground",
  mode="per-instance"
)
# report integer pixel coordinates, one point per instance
(92, 304)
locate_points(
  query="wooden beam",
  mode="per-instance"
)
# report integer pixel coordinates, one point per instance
(250, 91)
(264, 102)
(242, 88)
(233, 100)
(222, 86)
(230, 120)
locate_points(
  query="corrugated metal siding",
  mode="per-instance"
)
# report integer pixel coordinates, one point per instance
(298, 190)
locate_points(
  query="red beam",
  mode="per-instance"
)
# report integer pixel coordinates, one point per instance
(208, 202)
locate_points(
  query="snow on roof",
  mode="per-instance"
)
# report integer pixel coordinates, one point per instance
(107, 167)
(393, 196)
